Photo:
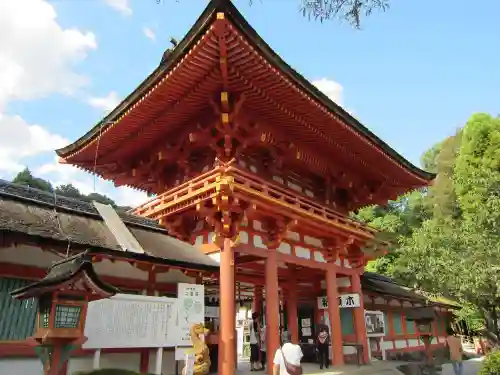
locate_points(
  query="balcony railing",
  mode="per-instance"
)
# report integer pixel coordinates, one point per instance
(204, 187)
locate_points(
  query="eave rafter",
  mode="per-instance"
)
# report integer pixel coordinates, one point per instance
(288, 111)
(360, 190)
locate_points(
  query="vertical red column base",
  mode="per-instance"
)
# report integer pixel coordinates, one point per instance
(359, 318)
(227, 342)
(272, 309)
(334, 315)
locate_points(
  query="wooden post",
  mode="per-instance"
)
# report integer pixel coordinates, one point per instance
(334, 315)
(257, 300)
(318, 313)
(272, 309)
(292, 315)
(359, 318)
(55, 358)
(227, 342)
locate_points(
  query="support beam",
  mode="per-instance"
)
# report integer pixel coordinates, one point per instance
(257, 300)
(359, 318)
(291, 304)
(334, 316)
(227, 342)
(272, 309)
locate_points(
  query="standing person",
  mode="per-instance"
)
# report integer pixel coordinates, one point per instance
(254, 342)
(323, 345)
(287, 358)
(263, 348)
(454, 344)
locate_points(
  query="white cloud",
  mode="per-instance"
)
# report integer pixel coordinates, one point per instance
(122, 6)
(330, 88)
(19, 140)
(37, 59)
(37, 55)
(105, 103)
(149, 33)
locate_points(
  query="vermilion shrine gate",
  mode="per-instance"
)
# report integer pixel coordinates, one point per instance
(248, 159)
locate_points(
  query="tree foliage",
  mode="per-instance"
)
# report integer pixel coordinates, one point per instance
(351, 11)
(448, 236)
(26, 178)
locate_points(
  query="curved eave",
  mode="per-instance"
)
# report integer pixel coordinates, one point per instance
(236, 18)
(73, 268)
(198, 29)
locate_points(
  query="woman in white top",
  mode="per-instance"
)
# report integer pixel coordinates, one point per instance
(289, 353)
(254, 342)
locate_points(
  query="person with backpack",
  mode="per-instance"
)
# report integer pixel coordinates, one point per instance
(287, 358)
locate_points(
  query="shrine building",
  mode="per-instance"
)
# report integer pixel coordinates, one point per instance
(254, 171)
(39, 228)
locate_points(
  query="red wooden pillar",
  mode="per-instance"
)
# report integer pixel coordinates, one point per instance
(291, 305)
(403, 323)
(272, 309)
(334, 315)
(257, 300)
(318, 313)
(227, 342)
(359, 317)
(390, 321)
(55, 358)
(64, 368)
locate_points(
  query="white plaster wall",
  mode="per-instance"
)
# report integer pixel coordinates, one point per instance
(413, 342)
(21, 366)
(399, 344)
(387, 344)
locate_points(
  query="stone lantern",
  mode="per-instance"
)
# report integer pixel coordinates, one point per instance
(63, 296)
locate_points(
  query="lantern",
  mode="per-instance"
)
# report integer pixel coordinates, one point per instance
(63, 296)
(424, 327)
(423, 318)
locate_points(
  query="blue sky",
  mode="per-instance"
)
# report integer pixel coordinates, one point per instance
(412, 76)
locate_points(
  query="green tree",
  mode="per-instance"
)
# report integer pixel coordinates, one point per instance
(398, 219)
(68, 190)
(99, 198)
(26, 178)
(456, 252)
(351, 11)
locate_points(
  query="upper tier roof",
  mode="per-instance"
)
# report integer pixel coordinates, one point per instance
(343, 131)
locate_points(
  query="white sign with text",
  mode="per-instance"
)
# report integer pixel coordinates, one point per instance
(131, 321)
(191, 310)
(345, 301)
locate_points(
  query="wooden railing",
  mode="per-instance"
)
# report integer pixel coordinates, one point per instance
(179, 192)
(204, 186)
(273, 190)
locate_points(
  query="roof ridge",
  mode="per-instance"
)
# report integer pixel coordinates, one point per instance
(74, 205)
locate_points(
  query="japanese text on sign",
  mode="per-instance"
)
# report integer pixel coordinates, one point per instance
(345, 301)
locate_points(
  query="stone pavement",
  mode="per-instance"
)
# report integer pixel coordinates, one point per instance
(376, 368)
(471, 367)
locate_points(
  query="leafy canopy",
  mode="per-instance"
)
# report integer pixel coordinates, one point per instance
(447, 237)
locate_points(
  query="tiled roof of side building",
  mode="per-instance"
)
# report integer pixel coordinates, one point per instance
(45, 215)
